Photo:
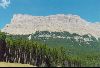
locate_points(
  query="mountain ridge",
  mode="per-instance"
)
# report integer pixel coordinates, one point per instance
(28, 24)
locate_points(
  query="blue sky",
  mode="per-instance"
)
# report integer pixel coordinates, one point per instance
(87, 9)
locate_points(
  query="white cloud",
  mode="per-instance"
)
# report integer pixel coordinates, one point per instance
(4, 3)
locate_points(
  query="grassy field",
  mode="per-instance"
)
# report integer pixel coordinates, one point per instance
(4, 64)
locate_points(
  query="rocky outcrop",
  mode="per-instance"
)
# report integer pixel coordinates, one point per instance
(27, 24)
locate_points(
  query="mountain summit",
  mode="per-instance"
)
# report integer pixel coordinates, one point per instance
(27, 24)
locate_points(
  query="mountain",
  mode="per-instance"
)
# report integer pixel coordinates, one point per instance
(27, 24)
(80, 39)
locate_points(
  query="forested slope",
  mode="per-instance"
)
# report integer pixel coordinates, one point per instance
(52, 50)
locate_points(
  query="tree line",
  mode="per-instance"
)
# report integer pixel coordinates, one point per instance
(19, 50)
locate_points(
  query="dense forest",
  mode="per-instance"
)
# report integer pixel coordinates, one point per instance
(49, 53)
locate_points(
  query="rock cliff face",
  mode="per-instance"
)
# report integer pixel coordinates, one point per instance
(27, 24)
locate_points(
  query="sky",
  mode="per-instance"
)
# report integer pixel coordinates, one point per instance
(86, 9)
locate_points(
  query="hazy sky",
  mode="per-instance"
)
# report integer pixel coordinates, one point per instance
(87, 9)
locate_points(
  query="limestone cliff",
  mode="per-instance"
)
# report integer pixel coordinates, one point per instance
(27, 24)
